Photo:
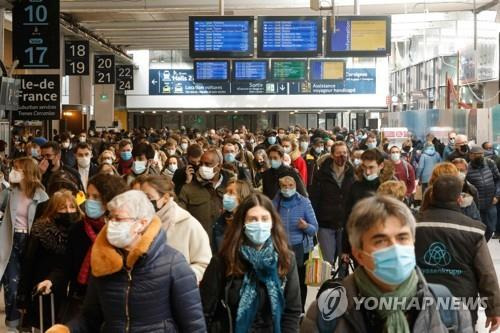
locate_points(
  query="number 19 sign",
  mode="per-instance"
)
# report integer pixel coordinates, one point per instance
(76, 54)
(36, 33)
(104, 69)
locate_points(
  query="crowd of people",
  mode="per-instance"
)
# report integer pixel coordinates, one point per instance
(182, 230)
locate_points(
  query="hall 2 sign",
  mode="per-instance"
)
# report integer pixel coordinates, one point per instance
(39, 98)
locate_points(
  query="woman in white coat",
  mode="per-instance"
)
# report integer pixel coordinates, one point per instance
(184, 232)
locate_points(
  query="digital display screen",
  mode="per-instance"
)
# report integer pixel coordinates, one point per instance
(327, 70)
(289, 69)
(290, 36)
(221, 36)
(250, 70)
(360, 36)
(211, 70)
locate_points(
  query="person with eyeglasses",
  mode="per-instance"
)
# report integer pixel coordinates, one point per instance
(51, 163)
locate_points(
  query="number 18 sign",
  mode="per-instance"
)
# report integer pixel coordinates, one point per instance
(76, 57)
(36, 33)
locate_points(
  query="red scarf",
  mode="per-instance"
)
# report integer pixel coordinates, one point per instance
(92, 228)
(125, 167)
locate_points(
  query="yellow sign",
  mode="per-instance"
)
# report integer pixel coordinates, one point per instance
(333, 70)
(368, 35)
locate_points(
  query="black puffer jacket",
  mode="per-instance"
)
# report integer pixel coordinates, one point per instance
(486, 179)
(328, 199)
(155, 291)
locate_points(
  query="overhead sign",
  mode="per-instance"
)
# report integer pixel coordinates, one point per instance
(125, 77)
(77, 57)
(288, 69)
(250, 70)
(206, 70)
(36, 33)
(327, 70)
(40, 98)
(104, 69)
(181, 82)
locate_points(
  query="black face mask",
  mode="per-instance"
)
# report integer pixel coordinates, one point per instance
(155, 205)
(478, 161)
(464, 148)
(407, 149)
(66, 219)
(51, 165)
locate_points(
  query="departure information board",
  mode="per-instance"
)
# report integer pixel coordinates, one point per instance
(221, 36)
(211, 70)
(290, 36)
(250, 70)
(327, 70)
(289, 70)
(360, 36)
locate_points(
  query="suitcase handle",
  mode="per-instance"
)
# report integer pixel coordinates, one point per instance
(40, 305)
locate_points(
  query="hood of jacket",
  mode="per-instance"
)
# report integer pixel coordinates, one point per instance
(107, 260)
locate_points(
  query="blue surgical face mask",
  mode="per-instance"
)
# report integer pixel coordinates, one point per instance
(94, 208)
(430, 151)
(275, 164)
(229, 202)
(288, 193)
(371, 145)
(371, 177)
(35, 153)
(126, 155)
(271, 140)
(258, 232)
(229, 158)
(139, 167)
(394, 264)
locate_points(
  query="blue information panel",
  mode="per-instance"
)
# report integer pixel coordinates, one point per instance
(221, 36)
(290, 36)
(211, 70)
(250, 70)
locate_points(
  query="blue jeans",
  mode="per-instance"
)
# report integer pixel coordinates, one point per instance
(489, 218)
(330, 242)
(10, 280)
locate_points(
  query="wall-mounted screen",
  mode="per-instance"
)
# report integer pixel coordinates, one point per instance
(289, 70)
(326, 70)
(217, 70)
(250, 70)
(359, 36)
(282, 36)
(213, 37)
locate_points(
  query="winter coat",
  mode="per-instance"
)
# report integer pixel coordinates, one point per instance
(486, 179)
(186, 235)
(217, 287)
(151, 290)
(448, 150)
(8, 206)
(291, 210)
(426, 165)
(469, 207)
(451, 250)
(311, 159)
(354, 320)
(299, 164)
(271, 177)
(328, 199)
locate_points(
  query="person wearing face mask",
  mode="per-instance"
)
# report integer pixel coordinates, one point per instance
(329, 193)
(18, 205)
(271, 177)
(291, 147)
(134, 272)
(382, 233)
(442, 227)
(67, 153)
(429, 158)
(183, 146)
(52, 164)
(107, 157)
(184, 232)
(43, 259)
(403, 171)
(271, 139)
(125, 159)
(312, 157)
(143, 154)
(371, 141)
(300, 223)
(202, 197)
(461, 148)
(170, 148)
(484, 175)
(85, 167)
(236, 192)
(260, 165)
(252, 284)
(450, 147)
(230, 151)
(171, 166)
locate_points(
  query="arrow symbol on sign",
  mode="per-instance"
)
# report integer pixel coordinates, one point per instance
(154, 82)
(282, 87)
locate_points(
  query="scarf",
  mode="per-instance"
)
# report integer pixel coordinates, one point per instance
(125, 167)
(264, 268)
(92, 228)
(395, 319)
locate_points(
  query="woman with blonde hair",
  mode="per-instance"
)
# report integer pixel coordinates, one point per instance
(18, 206)
(393, 188)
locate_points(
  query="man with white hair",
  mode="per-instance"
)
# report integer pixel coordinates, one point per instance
(138, 282)
(461, 148)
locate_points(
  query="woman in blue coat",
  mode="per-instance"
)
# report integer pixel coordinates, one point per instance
(300, 223)
(429, 158)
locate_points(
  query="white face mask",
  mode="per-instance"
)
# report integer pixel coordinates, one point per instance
(287, 150)
(466, 200)
(82, 139)
(119, 234)
(172, 167)
(65, 145)
(184, 146)
(171, 152)
(207, 173)
(16, 177)
(83, 162)
(108, 161)
(462, 176)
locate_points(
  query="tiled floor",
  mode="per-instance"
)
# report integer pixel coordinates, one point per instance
(494, 246)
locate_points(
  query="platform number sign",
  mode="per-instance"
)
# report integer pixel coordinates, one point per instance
(125, 77)
(76, 55)
(104, 69)
(36, 33)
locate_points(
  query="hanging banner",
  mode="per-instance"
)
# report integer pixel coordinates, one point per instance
(39, 98)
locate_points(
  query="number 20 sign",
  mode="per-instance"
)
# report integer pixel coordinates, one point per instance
(104, 69)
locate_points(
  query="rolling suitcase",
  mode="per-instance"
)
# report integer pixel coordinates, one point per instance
(52, 311)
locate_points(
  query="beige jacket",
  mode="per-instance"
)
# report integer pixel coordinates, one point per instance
(186, 235)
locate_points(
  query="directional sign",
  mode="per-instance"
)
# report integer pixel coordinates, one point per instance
(124, 77)
(40, 98)
(77, 57)
(36, 33)
(104, 69)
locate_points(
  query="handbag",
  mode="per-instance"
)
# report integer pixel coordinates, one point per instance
(317, 269)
